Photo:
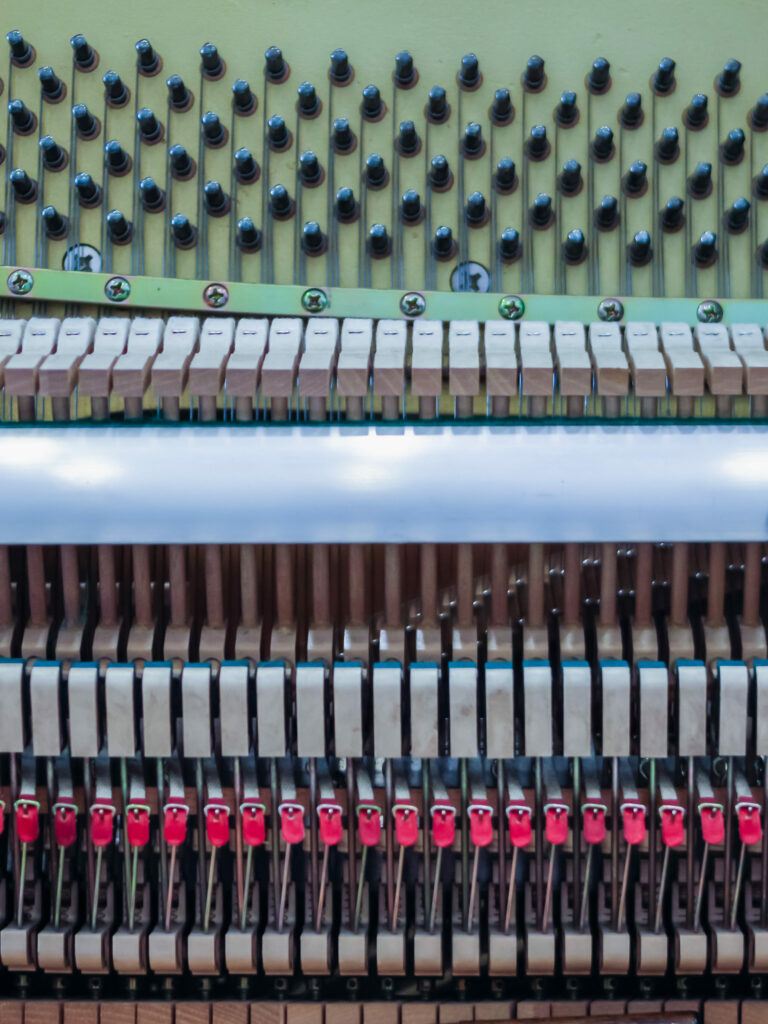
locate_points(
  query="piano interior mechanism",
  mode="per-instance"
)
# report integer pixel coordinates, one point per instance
(383, 500)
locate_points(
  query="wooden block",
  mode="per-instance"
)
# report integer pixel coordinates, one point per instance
(721, 1011)
(354, 365)
(58, 372)
(427, 359)
(170, 370)
(389, 359)
(724, 372)
(304, 1013)
(118, 1013)
(638, 1006)
(755, 371)
(649, 373)
(536, 376)
(531, 1009)
(315, 371)
(11, 1012)
(381, 1013)
(747, 336)
(11, 332)
(682, 1005)
(464, 357)
(753, 1011)
(42, 1011)
(453, 1013)
(206, 371)
(278, 371)
(570, 1009)
(501, 370)
(574, 371)
(38, 341)
(611, 372)
(685, 370)
(607, 1008)
(496, 1010)
(192, 1013)
(343, 1013)
(229, 1012)
(267, 1013)
(146, 1013)
(419, 1013)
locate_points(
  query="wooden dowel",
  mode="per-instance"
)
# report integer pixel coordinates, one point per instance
(142, 585)
(177, 578)
(249, 590)
(214, 587)
(608, 570)
(107, 588)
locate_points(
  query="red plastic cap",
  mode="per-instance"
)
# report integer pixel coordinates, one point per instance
(750, 825)
(712, 825)
(175, 824)
(27, 819)
(556, 824)
(672, 821)
(443, 825)
(481, 825)
(65, 824)
(217, 824)
(369, 825)
(594, 825)
(519, 818)
(406, 825)
(102, 825)
(137, 826)
(634, 824)
(292, 823)
(330, 823)
(254, 825)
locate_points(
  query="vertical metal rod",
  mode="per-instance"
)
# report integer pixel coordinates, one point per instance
(314, 881)
(464, 845)
(161, 838)
(96, 886)
(539, 845)
(737, 887)
(585, 893)
(651, 833)
(426, 852)
(624, 883)
(124, 830)
(321, 897)
(511, 891)
(728, 840)
(59, 886)
(435, 890)
(209, 890)
(169, 897)
(615, 839)
(577, 895)
(662, 886)
(284, 887)
(502, 834)
(241, 895)
(132, 891)
(275, 835)
(22, 873)
(246, 886)
(351, 821)
(473, 889)
(200, 827)
(398, 883)
(360, 883)
(388, 820)
(700, 888)
(548, 894)
(690, 913)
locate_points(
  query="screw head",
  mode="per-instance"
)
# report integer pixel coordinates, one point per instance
(611, 310)
(412, 304)
(709, 312)
(511, 307)
(117, 289)
(216, 295)
(314, 300)
(20, 282)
